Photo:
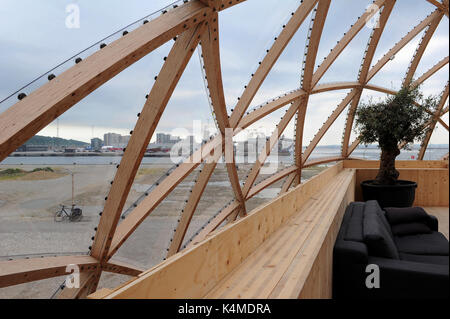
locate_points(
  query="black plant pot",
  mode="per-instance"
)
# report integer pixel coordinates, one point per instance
(400, 195)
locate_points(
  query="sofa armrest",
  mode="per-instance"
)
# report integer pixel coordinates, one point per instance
(350, 252)
(433, 222)
(405, 279)
(405, 215)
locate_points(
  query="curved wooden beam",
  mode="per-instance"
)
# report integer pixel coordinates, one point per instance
(225, 4)
(431, 71)
(214, 4)
(158, 98)
(269, 60)
(327, 124)
(30, 115)
(404, 41)
(436, 15)
(271, 180)
(213, 70)
(191, 205)
(438, 4)
(342, 44)
(445, 125)
(14, 272)
(367, 61)
(307, 82)
(288, 183)
(325, 87)
(214, 224)
(355, 144)
(278, 102)
(324, 160)
(122, 268)
(420, 50)
(211, 56)
(133, 220)
(270, 143)
(270, 107)
(298, 137)
(313, 43)
(88, 282)
(427, 138)
(137, 216)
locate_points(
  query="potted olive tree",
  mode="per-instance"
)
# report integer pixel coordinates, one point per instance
(400, 119)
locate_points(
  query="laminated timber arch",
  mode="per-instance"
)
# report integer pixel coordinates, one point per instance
(192, 23)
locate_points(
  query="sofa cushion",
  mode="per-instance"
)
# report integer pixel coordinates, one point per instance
(354, 231)
(377, 235)
(373, 205)
(427, 259)
(423, 244)
(405, 215)
(410, 229)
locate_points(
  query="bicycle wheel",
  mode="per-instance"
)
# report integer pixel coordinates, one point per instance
(59, 216)
(76, 215)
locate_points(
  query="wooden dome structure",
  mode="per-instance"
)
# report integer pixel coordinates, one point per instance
(194, 23)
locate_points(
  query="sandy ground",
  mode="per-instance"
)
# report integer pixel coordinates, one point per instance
(27, 208)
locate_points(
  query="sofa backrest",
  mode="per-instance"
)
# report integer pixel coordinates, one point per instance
(377, 232)
(352, 224)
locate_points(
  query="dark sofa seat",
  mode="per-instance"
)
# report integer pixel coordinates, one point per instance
(427, 259)
(411, 264)
(423, 244)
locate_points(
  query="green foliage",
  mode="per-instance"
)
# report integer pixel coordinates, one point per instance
(11, 172)
(45, 169)
(395, 120)
(54, 141)
(17, 173)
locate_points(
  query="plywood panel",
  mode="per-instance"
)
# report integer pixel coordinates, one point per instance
(432, 189)
(398, 164)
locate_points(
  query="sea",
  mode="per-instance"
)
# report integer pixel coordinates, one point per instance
(434, 152)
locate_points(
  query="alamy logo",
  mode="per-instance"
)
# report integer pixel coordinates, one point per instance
(373, 279)
(373, 20)
(73, 280)
(73, 17)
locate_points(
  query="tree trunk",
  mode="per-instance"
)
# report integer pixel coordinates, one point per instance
(387, 174)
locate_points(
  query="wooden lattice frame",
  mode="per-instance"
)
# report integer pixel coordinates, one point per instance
(194, 22)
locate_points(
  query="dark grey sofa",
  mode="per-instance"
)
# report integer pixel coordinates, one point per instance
(405, 245)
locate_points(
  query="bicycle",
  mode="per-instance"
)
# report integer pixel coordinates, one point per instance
(74, 215)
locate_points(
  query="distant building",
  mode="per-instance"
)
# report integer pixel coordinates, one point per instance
(33, 148)
(112, 139)
(116, 140)
(162, 138)
(96, 144)
(123, 141)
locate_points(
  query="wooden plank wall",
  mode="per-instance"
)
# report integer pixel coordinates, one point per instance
(320, 278)
(398, 164)
(195, 271)
(432, 178)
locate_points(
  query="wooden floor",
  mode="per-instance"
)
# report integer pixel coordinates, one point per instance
(442, 214)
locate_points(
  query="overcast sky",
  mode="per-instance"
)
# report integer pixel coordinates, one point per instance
(34, 38)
